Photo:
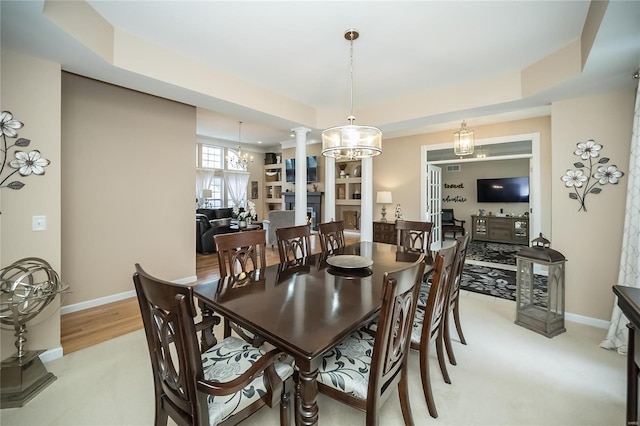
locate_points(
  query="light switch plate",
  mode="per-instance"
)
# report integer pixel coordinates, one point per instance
(38, 223)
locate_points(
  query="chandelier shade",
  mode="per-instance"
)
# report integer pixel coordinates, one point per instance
(351, 142)
(463, 142)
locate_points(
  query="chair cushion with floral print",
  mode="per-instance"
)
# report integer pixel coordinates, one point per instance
(228, 360)
(424, 294)
(346, 367)
(416, 331)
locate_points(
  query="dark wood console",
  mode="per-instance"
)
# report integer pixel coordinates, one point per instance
(513, 230)
(384, 232)
(629, 302)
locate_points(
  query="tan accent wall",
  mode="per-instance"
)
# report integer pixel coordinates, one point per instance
(591, 240)
(127, 187)
(31, 91)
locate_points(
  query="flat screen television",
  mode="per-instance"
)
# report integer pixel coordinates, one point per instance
(503, 190)
(312, 169)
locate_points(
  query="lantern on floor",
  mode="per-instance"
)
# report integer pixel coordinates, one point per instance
(540, 297)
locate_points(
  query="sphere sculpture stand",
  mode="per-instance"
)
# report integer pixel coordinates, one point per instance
(26, 289)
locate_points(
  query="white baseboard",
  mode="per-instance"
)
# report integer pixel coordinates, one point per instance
(81, 306)
(113, 298)
(51, 354)
(581, 319)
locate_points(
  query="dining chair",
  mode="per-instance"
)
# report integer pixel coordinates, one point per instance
(331, 236)
(294, 243)
(362, 370)
(453, 305)
(240, 253)
(414, 236)
(224, 384)
(428, 323)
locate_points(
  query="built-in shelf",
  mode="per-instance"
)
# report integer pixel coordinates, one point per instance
(273, 186)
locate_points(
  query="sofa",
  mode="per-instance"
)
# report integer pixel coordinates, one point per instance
(210, 222)
(278, 219)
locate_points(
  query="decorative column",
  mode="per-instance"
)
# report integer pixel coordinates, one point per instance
(301, 174)
(366, 202)
(329, 189)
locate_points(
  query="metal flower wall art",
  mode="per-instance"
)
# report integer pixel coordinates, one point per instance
(25, 163)
(583, 179)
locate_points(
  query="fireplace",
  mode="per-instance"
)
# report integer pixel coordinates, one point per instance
(314, 206)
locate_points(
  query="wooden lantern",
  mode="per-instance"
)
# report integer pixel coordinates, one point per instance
(540, 307)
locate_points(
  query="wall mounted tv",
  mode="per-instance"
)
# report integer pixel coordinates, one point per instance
(312, 169)
(503, 190)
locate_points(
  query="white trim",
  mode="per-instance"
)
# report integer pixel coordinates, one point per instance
(113, 298)
(581, 319)
(51, 354)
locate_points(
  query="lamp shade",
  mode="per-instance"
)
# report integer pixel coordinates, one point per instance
(383, 197)
(351, 142)
(207, 193)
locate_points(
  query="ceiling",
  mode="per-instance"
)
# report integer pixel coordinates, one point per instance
(418, 65)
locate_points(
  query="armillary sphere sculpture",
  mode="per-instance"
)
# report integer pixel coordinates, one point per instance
(27, 287)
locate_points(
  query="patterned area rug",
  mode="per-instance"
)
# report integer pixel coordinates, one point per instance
(499, 283)
(493, 252)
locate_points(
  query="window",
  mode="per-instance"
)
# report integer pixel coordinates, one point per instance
(217, 186)
(212, 157)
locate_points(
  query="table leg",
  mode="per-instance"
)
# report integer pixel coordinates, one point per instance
(632, 379)
(308, 398)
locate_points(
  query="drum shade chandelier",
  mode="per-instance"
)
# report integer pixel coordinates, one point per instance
(351, 141)
(463, 140)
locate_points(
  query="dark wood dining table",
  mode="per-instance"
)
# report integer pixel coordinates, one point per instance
(307, 309)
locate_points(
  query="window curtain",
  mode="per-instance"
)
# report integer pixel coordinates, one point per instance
(618, 337)
(203, 181)
(236, 183)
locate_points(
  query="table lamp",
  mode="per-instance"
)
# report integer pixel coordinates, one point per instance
(207, 194)
(383, 197)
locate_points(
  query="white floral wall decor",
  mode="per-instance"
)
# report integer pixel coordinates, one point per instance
(584, 178)
(25, 163)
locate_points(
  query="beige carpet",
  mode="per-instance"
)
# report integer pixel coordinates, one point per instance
(506, 375)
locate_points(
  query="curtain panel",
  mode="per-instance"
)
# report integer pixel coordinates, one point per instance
(618, 337)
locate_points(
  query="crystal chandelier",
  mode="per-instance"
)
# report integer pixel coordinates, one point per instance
(463, 140)
(241, 162)
(351, 141)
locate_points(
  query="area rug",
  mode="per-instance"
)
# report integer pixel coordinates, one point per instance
(493, 252)
(499, 283)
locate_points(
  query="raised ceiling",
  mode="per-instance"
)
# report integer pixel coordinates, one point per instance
(418, 65)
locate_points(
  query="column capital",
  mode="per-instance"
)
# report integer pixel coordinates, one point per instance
(303, 130)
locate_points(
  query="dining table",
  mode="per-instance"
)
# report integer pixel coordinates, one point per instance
(306, 307)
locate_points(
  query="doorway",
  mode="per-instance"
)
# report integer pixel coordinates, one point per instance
(524, 146)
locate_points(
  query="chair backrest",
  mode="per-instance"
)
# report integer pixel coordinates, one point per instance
(393, 336)
(168, 313)
(462, 243)
(414, 236)
(331, 236)
(438, 294)
(241, 252)
(294, 243)
(448, 217)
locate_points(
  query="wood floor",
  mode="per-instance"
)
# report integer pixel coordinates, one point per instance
(92, 326)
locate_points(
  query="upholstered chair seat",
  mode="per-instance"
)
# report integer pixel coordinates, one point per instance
(225, 362)
(347, 366)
